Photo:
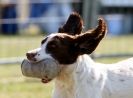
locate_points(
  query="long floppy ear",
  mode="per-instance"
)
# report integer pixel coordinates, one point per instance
(73, 25)
(87, 42)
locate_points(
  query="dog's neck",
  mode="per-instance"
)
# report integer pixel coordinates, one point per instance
(68, 79)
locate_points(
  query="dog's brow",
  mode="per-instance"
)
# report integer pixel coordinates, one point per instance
(44, 40)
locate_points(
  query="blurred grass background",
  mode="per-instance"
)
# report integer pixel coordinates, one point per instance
(14, 85)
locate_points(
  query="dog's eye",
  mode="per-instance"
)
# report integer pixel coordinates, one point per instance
(52, 45)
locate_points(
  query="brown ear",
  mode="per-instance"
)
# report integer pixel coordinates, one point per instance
(73, 25)
(87, 42)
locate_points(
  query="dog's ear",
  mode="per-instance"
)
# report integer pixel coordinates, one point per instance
(73, 25)
(87, 42)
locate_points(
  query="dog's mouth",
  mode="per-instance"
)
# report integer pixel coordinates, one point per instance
(45, 80)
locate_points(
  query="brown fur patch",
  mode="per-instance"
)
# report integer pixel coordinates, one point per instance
(88, 41)
(62, 49)
(66, 48)
(73, 25)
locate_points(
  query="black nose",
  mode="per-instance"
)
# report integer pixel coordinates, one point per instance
(31, 56)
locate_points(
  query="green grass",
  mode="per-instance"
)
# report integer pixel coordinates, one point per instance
(115, 45)
(15, 46)
(25, 90)
(14, 85)
(121, 44)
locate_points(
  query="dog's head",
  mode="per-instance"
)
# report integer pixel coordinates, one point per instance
(66, 45)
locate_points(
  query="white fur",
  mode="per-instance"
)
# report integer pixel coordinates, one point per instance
(88, 79)
(41, 52)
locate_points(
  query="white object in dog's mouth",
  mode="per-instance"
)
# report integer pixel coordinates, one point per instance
(46, 69)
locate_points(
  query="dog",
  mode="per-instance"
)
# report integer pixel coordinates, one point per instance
(80, 76)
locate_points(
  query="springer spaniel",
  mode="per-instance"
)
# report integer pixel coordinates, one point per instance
(80, 76)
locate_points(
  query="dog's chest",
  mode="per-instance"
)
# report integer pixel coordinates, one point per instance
(89, 81)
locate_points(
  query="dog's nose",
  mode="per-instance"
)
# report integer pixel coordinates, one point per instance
(31, 56)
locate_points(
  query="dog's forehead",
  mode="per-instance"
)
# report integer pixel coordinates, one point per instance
(55, 36)
(46, 39)
(51, 36)
(59, 35)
